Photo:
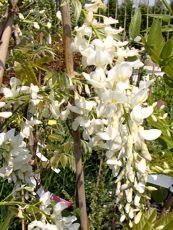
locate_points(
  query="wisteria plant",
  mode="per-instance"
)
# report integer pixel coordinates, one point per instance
(110, 112)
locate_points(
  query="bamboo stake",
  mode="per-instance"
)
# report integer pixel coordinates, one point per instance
(116, 11)
(78, 151)
(125, 20)
(66, 21)
(148, 14)
(5, 38)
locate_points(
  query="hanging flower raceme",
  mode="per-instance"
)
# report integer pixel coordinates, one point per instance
(60, 221)
(114, 122)
(16, 157)
(15, 148)
(29, 107)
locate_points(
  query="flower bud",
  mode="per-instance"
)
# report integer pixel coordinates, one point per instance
(154, 118)
(58, 15)
(137, 200)
(36, 25)
(122, 218)
(138, 217)
(49, 25)
(21, 16)
(142, 166)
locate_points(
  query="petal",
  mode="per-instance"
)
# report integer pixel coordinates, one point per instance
(2, 104)
(10, 134)
(7, 92)
(139, 98)
(150, 134)
(128, 193)
(138, 113)
(146, 112)
(59, 207)
(109, 20)
(14, 82)
(2, 138)
(137, 218)
(137, 200)
(142, 166)
(113, 161)
(140, 187)
(26, 131)
(104, 136)
(145, 153)
(110, 95)
(122, 218)
(5, 114)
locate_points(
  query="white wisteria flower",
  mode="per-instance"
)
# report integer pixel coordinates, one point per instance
(5, 114)
(36, 25)
(17, 157)
(119, 111)
(94, 6)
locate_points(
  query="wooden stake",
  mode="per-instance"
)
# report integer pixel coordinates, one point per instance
(78, 151)
(4, 44)
(5, 34)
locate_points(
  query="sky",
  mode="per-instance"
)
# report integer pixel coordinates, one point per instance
(136, 2)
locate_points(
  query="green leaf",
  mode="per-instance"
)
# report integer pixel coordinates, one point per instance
(166, 221)
(163, 17)
(77, 6)
(166, 58)
(25, 73)
(43, 60)
(55, 137)
(147, 220)
(10, 215)
(155, 41)
(152, 215)
(167, 50)
(161, 125)
(168, 81)
(167, 5)
(159, 195)
(63, 160)
(67, 147)
(167, 28)
(135, 25)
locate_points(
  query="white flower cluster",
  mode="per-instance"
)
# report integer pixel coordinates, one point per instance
(14, 142)
(15, 153)
(113, 119)
(16, 158)
(46, 207)
(15, 150)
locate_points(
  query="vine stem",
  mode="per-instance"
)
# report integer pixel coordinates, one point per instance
(78, 151)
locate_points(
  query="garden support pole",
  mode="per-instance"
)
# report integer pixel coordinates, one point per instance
(78, 151)
(5, 39)
(4, 44)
